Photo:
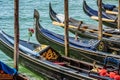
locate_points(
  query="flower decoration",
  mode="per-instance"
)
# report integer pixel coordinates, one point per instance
(31, 31)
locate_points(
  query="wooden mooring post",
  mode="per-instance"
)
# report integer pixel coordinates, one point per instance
(66, 40)
(16, 33)
(100, 19)
(118, 15)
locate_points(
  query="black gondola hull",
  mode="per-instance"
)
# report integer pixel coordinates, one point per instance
(39, 66)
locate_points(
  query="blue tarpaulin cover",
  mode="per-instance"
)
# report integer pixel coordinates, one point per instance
(21, 47)
(112, 59)
(109, 7)
(7, 69)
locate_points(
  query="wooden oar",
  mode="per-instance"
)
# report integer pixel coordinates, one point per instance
(61, 24)
(103, 19)
(111, 12)
(85, 29)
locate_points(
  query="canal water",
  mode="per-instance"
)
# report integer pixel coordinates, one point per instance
(26, 20)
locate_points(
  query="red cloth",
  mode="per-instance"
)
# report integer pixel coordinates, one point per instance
(112, 75)
(103, 72)
(117, 77)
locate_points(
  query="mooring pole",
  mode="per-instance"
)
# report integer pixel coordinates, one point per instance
(118, 15)
(66, 27)
(16, 33)
(100, 19)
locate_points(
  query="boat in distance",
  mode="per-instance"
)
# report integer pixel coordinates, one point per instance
(108, 19)
(77, 47)
(110, 35)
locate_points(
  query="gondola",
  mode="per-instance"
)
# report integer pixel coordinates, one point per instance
(109, 8)
(108, 19)
(72, 22)
(110, 35)
(46, 61)
(78, 47)
(8, 73)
